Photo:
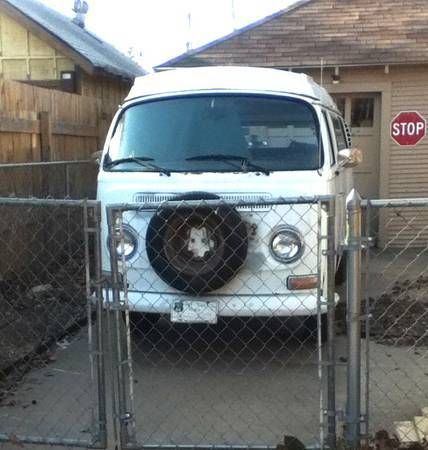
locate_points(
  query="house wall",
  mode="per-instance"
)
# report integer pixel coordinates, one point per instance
(108, 89)
(23, 56)
(403, 170)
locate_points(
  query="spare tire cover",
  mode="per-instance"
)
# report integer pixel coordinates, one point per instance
(196, 249)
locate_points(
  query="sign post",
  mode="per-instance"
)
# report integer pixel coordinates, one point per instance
(408, 128)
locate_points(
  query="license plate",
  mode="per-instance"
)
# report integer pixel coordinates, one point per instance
(194, 311)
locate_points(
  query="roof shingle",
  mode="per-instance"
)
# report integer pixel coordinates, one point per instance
(341, 32)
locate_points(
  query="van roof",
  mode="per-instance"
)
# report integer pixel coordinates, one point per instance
(245, 79)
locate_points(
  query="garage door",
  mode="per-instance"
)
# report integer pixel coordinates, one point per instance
(362, 113)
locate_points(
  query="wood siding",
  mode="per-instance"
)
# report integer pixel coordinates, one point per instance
(409, 165)
(108, 89)
(24, 56)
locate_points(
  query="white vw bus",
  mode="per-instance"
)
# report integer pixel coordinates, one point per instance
(237, 134)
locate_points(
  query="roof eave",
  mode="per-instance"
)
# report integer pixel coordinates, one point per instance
(351, 65)
(121, 77)
(310, 66)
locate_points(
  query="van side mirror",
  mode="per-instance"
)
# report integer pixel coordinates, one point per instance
(96, 157)
(350, 157)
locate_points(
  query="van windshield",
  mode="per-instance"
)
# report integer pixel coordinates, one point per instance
(216, 133)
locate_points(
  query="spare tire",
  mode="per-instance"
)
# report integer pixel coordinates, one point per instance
(196, 249)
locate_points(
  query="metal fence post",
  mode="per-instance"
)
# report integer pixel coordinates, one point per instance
(102, 413)
(331, 332)
(117, 349)
(353, 287)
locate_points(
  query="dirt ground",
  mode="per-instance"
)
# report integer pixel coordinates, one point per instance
(397, 317)
(35, 316)
(400, 316)
(396, 285)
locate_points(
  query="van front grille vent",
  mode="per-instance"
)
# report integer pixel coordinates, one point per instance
(149, 198)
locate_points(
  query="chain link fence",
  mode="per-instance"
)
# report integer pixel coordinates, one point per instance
(395, 329)
(224, 325)
(49, 179)
(221, 307)
(49, 288)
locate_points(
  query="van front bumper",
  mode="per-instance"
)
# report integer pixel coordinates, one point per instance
(293, 304)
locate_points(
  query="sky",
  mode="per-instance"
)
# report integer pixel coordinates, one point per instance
(159, 29)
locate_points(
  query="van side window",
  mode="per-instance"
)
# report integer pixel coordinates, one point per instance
(330, 139)
(339, 132)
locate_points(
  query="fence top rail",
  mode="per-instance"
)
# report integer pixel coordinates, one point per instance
(49, 202)
(396, 202)
(43, 163)
(216, 202)
(203, 447)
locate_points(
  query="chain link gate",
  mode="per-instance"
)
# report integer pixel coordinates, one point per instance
(217, 341)
(52, 363)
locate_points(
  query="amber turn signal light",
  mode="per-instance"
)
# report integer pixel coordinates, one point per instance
(302, 282)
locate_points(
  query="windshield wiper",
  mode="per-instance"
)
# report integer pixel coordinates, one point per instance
(143, 161)
(245, 163)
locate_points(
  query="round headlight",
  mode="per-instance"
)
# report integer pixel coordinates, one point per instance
(286, 245)
(129, 245)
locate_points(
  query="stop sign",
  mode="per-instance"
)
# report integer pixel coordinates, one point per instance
(408, 128)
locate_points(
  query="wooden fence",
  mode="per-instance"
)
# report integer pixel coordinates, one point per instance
(45, 125)
(41, 125)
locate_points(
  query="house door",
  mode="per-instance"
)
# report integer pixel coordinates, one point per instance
(362, 113)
